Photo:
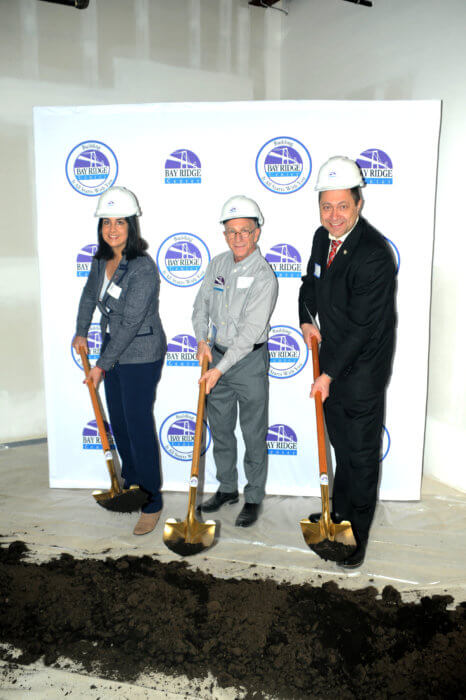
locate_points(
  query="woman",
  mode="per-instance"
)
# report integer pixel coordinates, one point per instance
(124, 284)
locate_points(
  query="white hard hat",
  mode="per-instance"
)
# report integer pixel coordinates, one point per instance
(339, 173)
(117, 201)
(241, 207)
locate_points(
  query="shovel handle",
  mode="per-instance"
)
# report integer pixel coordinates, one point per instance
(95, 403)
(199, 421)
(319, 410)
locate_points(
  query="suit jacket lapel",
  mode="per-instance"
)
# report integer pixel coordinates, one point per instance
(345, 252)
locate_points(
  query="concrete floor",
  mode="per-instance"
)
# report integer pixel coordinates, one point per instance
(418, 547)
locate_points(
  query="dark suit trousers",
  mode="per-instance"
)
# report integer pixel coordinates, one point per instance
(355, 430)
(130, 393)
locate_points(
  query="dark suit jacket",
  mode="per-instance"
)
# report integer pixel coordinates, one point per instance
(354, 300)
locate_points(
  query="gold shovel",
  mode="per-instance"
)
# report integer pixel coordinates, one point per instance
(117, 499)
(325, 529)
(191, 536)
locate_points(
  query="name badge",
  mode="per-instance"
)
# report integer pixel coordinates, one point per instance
(316, 270)
(114, 290)
(244, 282)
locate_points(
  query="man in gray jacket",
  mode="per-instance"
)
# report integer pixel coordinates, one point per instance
(237, 296)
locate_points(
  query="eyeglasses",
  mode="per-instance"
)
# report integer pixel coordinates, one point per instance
(244, 233)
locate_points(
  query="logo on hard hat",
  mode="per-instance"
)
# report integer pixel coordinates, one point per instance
(182, 167)
(91, 168)
(91, 437)
(94, 344)
(283, 165)
(177, 435)
(181, 351)
(284, 260)
(281, 440)
(376, 166)
(182, 259)
(288, 352)
(84, 259)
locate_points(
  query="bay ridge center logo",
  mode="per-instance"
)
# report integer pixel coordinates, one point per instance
(284, 260)
(287, 351)
(376, 166)
(283, 165)
(84, 259)
(91, 168)
(281, 440)
(183, 167)
(177, 435)
(91, 437)
(182, 259)
(181, 351)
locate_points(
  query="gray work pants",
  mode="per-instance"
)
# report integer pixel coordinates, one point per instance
(246, 385)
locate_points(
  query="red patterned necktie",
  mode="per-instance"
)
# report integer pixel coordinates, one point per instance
(333, 252)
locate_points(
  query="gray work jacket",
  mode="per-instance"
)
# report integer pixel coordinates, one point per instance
(130, 311)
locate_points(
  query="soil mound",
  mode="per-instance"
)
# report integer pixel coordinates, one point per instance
(121, 617)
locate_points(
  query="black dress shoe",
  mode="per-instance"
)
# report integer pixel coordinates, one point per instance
(356, 558)
(248, 515)
(334, 517)
(217, 501)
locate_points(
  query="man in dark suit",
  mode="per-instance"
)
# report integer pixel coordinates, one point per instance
(350, 286)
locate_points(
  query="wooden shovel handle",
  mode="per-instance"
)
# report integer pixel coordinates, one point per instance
(319, 410)
(199, 422)
(95, 403)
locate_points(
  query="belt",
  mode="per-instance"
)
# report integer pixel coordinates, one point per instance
(254, 347)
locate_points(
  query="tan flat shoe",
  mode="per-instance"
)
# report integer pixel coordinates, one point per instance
(146, 523)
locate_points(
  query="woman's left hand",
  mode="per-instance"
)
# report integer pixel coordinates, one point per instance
(94, 376)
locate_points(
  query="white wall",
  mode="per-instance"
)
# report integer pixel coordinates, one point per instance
(116, 51)
(404, 50)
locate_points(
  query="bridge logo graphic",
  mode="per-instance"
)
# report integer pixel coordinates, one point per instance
(91, 437)
(91, 168)
(181, 351)
(287, 351)
(281, 440)
(283, 165)
(177, 435)
(284, 260)
(182, 167)
(182, 259)
(84, 259)
(376, 166)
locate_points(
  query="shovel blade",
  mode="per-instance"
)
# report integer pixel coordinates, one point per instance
(314, 533)
(189, 536)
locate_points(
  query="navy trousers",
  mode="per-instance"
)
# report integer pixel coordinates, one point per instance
(130, 393)
(354, 427)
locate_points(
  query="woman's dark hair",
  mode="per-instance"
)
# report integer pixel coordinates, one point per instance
(135, 245)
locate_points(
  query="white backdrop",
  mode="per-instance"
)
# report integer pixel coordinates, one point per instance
(183, 161)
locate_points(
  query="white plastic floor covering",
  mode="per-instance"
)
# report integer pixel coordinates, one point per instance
(418, 547)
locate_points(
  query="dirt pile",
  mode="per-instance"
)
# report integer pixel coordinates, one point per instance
(121, 617)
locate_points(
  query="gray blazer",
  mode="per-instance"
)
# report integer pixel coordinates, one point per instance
(132, 319)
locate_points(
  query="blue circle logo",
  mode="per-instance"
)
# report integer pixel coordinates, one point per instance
(287, 351)
(91, 168)
(397, 253)
(177, 435)
(283, 165)
(386, 443)
(182, 259)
